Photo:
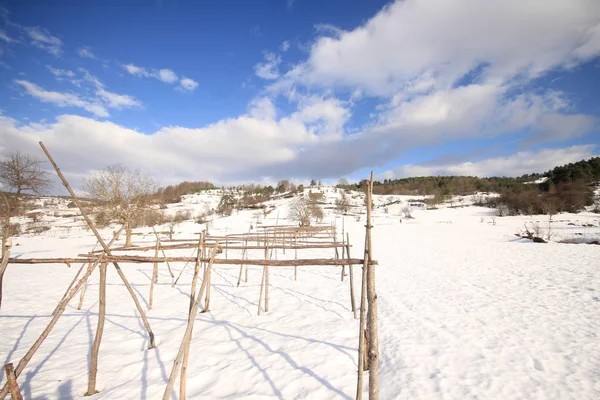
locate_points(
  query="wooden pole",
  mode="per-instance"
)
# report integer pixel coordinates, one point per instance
(104, 246)
(187, 337)
(63, 304)
(163, 252)
(184, 364)
(372, 312)
(154, 277)
(266, 283)
(11, 379)
(99, 330)
(207, 278)
(363, 305)
(82, 294)
(351, 268)
(295, 255)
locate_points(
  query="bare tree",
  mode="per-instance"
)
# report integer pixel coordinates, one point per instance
(300, 211)
(407, 211)
(124, 194)
(24, 173)
(342, 204)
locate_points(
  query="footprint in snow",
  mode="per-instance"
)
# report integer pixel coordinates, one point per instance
(538, 365)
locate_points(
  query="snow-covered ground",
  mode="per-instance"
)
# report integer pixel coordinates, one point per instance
(467, 310)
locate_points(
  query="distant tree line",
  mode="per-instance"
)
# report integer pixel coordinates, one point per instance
(173, 193)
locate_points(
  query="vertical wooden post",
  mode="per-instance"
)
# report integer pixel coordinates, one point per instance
(11, 379)
(207, 276)
(372, 312)
(266, 282)
(89, 222)
(154, 277)
(99, 330)
(363, 298)
(295, 255)
(351, 268)
(163, 253)
(242, 265)
(81, 295)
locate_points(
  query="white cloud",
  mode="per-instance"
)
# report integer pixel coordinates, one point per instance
(62, 99)
(167, 76)
(5, 37)
(86, 52)
(188, 84)
(164, 75)
(517, 164)
(135, 70)
(59, 73)
(42, 39)
(444, 40)
(114, 100)
(285, 46)
(269, 69)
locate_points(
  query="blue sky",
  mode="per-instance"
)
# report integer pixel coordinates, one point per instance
(236, 91)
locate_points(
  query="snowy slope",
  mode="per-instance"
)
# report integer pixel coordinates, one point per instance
(467, 310)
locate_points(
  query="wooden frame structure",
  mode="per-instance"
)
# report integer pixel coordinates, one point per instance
(270, 239)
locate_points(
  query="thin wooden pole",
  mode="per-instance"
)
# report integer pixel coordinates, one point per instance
(295, 255)
(372, 312)
(63, 304)
(187, 337)
(266, 284)
(207, 276)
(363, 305)
(83, 289)
(184, 364)
(11, 379)
(99, 330)
(104, 246)
(154, 278)
(351, 268)
(163, 252)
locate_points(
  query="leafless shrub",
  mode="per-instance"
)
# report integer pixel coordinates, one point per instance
(407, 211)
(226, 204)
(342, 204)
(300, 211)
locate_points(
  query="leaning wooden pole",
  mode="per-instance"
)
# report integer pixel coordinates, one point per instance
(154, 277)
(185, 343)
(184, 363)
(373, 345)
(99, 331)
(104, 246)
(11, 379)
(36, 345)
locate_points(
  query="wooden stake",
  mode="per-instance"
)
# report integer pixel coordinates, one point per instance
(351, 268)
(266, 283)
(154, 277)
(207, 277)
(163, 252)
(63, 304)
(187, 337)
(372, 312)
(11, 379)
(81, 295)
(99, 330)
(104, 246)
(295, 255)
(184, 364)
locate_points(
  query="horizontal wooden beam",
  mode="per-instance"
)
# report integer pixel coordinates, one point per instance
(141, 259)
(289, 246)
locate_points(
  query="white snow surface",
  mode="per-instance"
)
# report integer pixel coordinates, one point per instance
(466, 311)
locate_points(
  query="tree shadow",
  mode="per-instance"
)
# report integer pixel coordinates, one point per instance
(16, 345)
(65, 390)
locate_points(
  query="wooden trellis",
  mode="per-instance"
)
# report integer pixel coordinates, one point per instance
(207, 248)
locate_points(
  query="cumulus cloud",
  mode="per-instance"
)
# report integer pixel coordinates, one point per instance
(269, 69)
(167, 76)
(446, 40)
(517, 164)
(285, 46)
(115, 100)
(137, 71)
(188, 84)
